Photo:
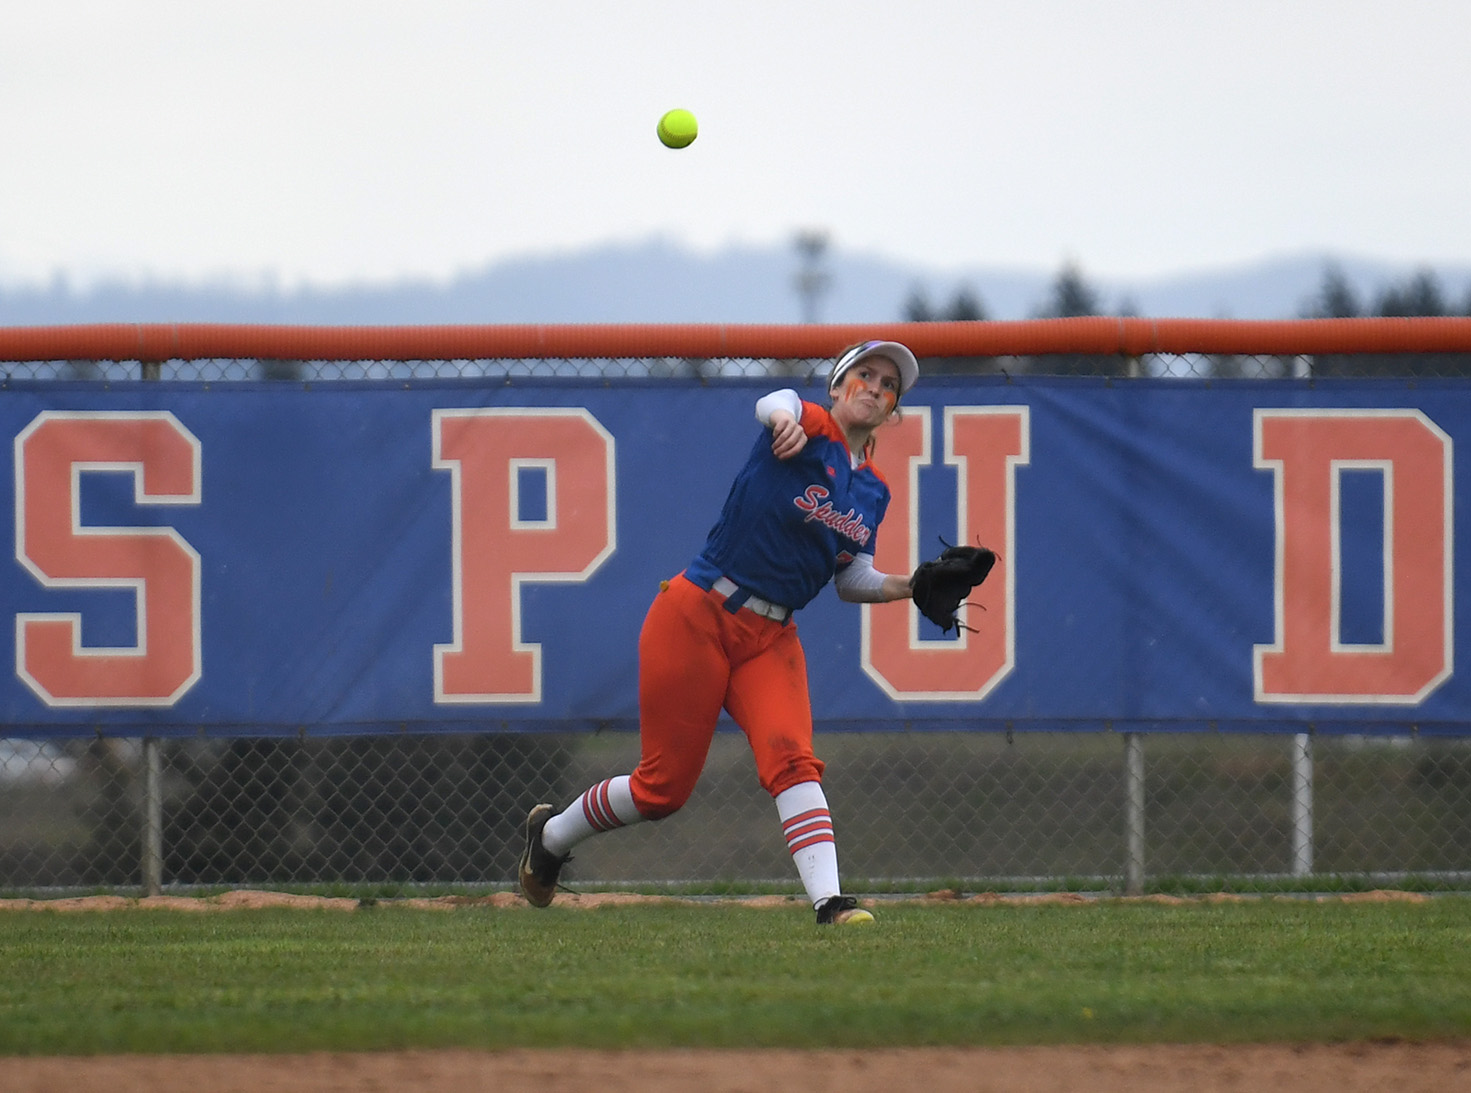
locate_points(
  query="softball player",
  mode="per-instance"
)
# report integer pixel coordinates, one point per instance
(803, 510)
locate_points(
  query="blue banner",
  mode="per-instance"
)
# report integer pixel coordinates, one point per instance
(267, 559)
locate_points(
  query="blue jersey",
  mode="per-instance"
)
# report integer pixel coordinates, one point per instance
(788, 525)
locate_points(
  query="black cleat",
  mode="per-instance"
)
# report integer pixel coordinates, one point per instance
(539, 867)
(842, 911)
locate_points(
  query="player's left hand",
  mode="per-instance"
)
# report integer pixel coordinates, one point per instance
(787, 436)
(940, 586)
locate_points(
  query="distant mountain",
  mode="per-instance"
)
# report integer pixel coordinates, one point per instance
(656, 281)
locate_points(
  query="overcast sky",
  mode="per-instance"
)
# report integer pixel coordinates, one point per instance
(331, 142)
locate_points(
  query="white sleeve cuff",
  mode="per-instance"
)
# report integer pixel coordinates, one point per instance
(785, 399)
(859, 582)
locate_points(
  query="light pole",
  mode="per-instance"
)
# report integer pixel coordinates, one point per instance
(812, 280)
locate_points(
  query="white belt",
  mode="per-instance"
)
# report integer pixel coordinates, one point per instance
(775, 611)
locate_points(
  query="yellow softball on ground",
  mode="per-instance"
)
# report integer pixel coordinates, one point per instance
(678, 129)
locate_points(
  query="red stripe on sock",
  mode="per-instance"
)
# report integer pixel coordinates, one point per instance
(592, 812)
(807, 832)
(597, 808)
(605, 804)
(820, 837)
(807, 817)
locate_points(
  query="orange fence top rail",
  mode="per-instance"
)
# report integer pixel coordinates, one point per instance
(1129, 337)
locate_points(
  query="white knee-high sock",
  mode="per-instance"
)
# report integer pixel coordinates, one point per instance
(808, 828)
(602, 807)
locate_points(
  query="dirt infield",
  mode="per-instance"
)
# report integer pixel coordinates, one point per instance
(1393, 1067)
(1343, 1068)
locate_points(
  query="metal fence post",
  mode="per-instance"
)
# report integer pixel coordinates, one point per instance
(152, 372)
(1133, 814)
(1302, 804)
(152, 816)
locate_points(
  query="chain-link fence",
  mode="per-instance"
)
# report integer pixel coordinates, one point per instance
(1183, 365)
(969, 810)
(1103, 811)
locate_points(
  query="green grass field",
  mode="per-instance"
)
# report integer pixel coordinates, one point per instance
(725, 975)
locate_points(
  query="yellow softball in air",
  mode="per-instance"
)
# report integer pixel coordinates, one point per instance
(678, 129)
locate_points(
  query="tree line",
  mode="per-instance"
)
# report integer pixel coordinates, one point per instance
(1419, 294)
(1071, 295)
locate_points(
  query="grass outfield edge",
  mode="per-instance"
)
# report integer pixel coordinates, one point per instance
(256, 899)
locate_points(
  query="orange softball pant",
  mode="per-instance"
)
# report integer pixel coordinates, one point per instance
(695, 657)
